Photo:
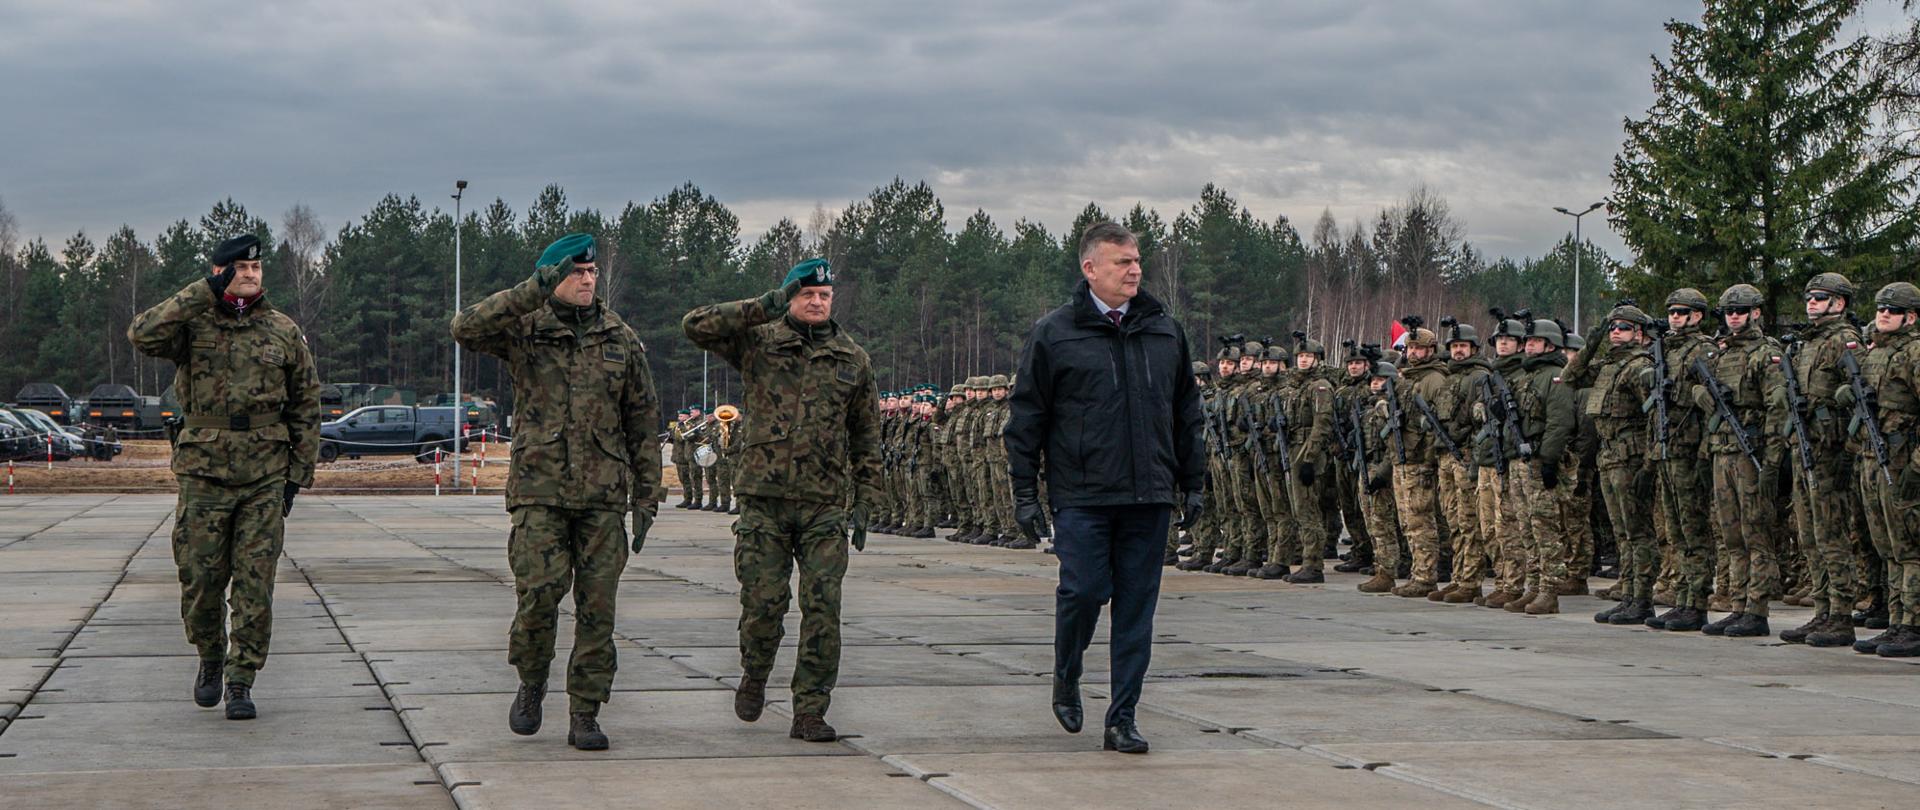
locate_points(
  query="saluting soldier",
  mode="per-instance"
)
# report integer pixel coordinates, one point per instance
(809, 475)
(246, 383)
(584, 455)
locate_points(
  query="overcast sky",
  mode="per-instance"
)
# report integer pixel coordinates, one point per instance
(144, 112)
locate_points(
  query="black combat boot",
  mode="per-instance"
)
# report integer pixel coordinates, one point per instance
(206, 684)
(240, 702)
(1719, 627)
(1272, 571)
(812, 728)
(1873, 618)
(1169, 559)
(524, 716)
(1021, 543)
(1749, 626)
(921, 533)
(1306, 576)
(735, 509)
(1354, 564)
(1838, 632)
(1606, 616)
(750, 698)
(1904, 644)
(1688, 620)
(984, 538)
(1634, 612)
(1660, 622)
(726, 504)
(1241, 568)
(1194, 563)
(584, 733)
(1798, 635)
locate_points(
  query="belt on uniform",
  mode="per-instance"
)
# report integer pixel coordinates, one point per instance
(237, 421)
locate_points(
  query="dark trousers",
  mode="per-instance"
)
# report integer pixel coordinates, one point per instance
(1108, 553)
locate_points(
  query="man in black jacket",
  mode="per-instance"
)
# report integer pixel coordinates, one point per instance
(1106, 394)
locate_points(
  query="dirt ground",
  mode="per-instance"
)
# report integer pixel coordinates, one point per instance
(143, 468)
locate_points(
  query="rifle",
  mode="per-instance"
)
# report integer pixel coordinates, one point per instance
(1359, 442)
(1396, 420)
(1662, 385)
(1796, 409)
(1721, 395)
(1496, 424)
(1863, 409)
(1439, 428)
(1510, 413)
(1252, 442)
(1278, 424)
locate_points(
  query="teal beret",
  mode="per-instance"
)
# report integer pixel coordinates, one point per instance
(574, 247)
(810, 273)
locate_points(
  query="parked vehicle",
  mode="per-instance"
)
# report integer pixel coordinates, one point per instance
(65, 445)
(123, 408)
(17, 440)
(390, 429)
(47, 398)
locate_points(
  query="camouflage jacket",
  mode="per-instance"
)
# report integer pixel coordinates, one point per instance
(682, 446)
(1309, 407)
(1493, 438)
(253, 366)
(1892, 369)
(1685, 421)
(1547, 411)
(816, 430)
(1817, 369)
(1455, 403)
(1428, 378)
(584, 403)
(1618, 384)
(1747, 364)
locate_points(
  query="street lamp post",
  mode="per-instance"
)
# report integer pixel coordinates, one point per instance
(1576, 258)
(459, 410)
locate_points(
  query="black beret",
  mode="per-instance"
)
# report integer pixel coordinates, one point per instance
(245, 247)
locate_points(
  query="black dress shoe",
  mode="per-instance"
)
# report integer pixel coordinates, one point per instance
(1126, 739)
(1066, 705)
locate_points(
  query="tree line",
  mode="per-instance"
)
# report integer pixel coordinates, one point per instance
(1773, 151)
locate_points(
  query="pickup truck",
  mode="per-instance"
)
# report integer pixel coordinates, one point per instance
(391, 429)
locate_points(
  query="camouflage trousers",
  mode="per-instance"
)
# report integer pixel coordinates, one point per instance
(1625, 491)
(1823, 517)
(771, 538)
(1487, 508)
(1893, 521)
(1208, 536)
(1545, 537)
(1244, 529)
(1307, 521)
(552, 551)
(228, 536)
(1746, 518)
(960, 489)
(709, 482)
(1683, 508)
(1346, 491)
(935, 506)
(1383, 525)
(1459, 492)
(723, 475)
(1002, 476)
(1415, 498)
(689, 473)
(1577, 489)
(1516, 545)
(1278, 532)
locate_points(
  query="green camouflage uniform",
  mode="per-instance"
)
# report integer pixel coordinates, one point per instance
(813, 446)
(1685, 476)
(1347, 392)
(1275, 537)
(246, 384)
(1619, 380)
(1245, 529)
(584, 454)
(1380, 512)
(1743, 497)
(683, 462)
(1824, 502)
(1892, 371)
(1309, 407)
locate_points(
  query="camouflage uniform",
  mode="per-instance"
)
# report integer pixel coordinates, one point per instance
(814, 442)
(584, 454)
(1619, 383)
(246, 384)
(1459, 481)
(1380, 512)
(1743, 497)
(710, 474)
(1308, 403)
(1246, 527)
(1825, 501)
(683, 462)
(1347, 393)
(1206, 536)
(1547, 415)
(1892, 372)
(1503, 528)
(1684, 474)
(1416, 475)
(1274, 542)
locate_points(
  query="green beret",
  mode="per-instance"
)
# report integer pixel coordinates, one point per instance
(574, 247)
(810, 273)
(245, 247)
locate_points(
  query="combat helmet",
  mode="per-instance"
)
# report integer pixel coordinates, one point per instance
(1741, 295)
(1458, 332)
(1832, 283)
(1900, 294)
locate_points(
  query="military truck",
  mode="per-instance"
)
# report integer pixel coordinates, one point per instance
(123, 408)
(46, 398)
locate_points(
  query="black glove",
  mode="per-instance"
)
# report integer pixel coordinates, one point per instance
(1549, 475)
(1191, 508)
(1306, 473)
(857, 527)
(287, 492)
(1580, 486)
(1378, 482)
(219, 281)
(774, 301)
(1643, 482)
(1026, 511)
(549, 276)
(642, 523)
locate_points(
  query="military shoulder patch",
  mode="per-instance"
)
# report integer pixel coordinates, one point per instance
(613, 356)
(847, 375)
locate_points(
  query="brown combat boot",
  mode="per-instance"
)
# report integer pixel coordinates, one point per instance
(1414, 590)
(1382, 582)
(1463, 596)
(1547, 602)
(1441, 595)
(1574, 586)
(1519, 603)
(812, 728)
(1499, 598)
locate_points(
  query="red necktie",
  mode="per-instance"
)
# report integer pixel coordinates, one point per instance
(1115, 316)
